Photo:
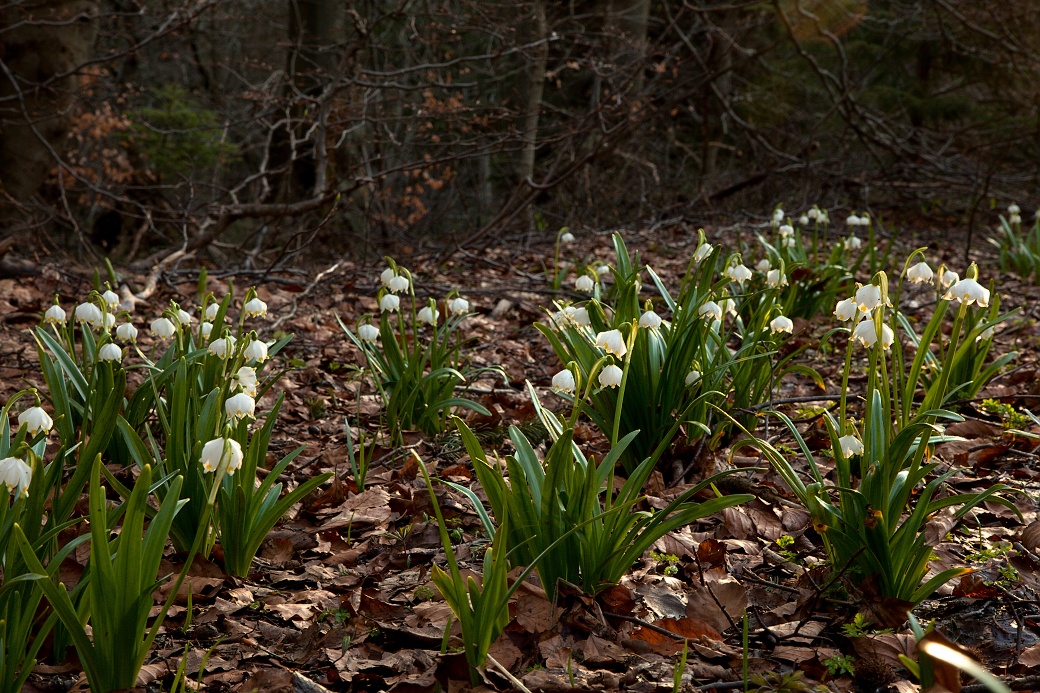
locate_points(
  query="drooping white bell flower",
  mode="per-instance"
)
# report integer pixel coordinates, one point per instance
(1014, 209)
(738, 273)
(866, 334)
(183, 317)
(386, 276)
(255, 308)
(813, 213)
(611, 376)
(985, 334)
(729, 306)
(398, 284)
(163, 328)
(788, 242)
(90, 314)
(778, 215)
(868, 297)
(240, 406)
(763, 265)
(563, 382)
(703, 251)
(846, 310)
(864, 220)
(612, 342)
(16, 475)
(650, 320)
(368, 333)
(786, 230)
(603, 270)
(55, 315)
(110, 352)
(566, 237)
(205, 330)
(580, 316)
(111, 299)
(948, 278)
(968, 291)
(247, 381)
(853, 243)
(256, 350)
(710, 311)
(824, 218)
(126, 332)
(389, 303)
(458, 306)
(211, 311)
(109, 320)
(585, 283)
(803, 220)
(850, 445)
(920, 273)
(223, 348)
(34, 420)
(221, 451)
(692, 377)
(1014, 219)
(781, 323)
(775, 278)
(428, 315)
(852, 220)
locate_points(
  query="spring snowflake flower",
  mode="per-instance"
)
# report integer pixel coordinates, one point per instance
(183, 317)
(126, 332)
(803, 220)
(255, 308)
(866, 334)
(584, 283)
(968, 291)
(650, 320)
(738, 273)
(34, 420)
(778, 215)
(111, 299)
(776, 279)
(163, 328)
(247, 381)
(729, 306)
(781, 324)
(612, 342)
(853, 243)
(223, 347)
(763, 265)
(110, 352)
(205, 330)
(566, 237)
(256, 350)
(580, 316)
(55, 315)
(710, 311)
(221, 451)
(786, 230)
(703, 251)
(846, 310)
(1014, 209)
(398, 284)
(368, 333)
(563, 382)
(603, 270)
(920, 273)
(692, 377)
(428, 315)
(212, 310)
(386, 276)
(850, 445)
(813, 213)
(852, 220)
(985, 334)
(240, 406)
(458, 306)
(610, 376)
(948, 278)
(90, 314)
(109, 320)
(389, 303)
(868, 297)
(16, 475)
(788, 242)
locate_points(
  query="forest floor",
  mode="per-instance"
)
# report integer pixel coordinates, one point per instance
(341, 596)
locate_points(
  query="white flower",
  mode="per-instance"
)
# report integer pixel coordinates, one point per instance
(1013, 209)
(126, 332)
(110, 352)
(458, 306)
(109, 321)
(368, 333)
(255, 351)
(610, 376)
(603, 270)
(864, 220)
(163, 328)
(580, 316)
(985, 334)
(389, 303)
(15, 474)
(728, 305)
(920, 273)
(868, 297)
(866, 334)
(813, 213)
(221, 451)
(824, 218)
(212, 310)
(650, 320)
(246, 379)
(703, 251)
(948, 278)
(710, 311)
(223, 347)
(255, 308)
(566, 237)
(850, 445)
(111, 299)
(738, 273)
(763, 265)
(35, 419)
(398, 284)
(240, 406)
(428, 315)
(778, 215)
(55, 315)
(804, 220)
(788, 242)
(786, 230)
(564, 382)
(852, 220)
(968, 291)
(846, 310)
(692, 377)
(205, 330)
(90, 314)
(776, 279)
(584, 283)
(612, 342)
(1014, 219)
(183, 317)
(387, 275)
(853, 243)
(781, 324)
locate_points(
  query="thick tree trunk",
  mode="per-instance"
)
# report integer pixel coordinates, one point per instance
(535, 89)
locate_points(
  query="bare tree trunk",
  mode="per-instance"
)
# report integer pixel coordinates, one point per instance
(535, 89)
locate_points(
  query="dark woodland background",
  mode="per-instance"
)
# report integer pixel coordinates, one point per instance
(133, 127)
